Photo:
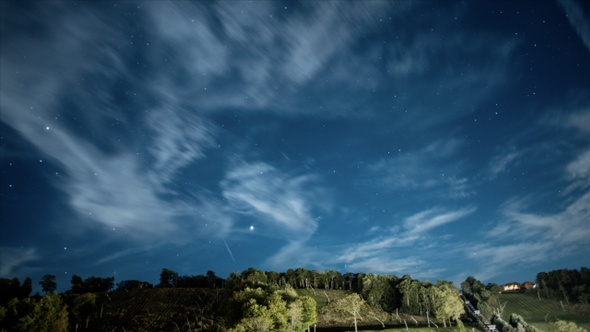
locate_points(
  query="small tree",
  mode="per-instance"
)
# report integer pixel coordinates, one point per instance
(48, 283)
(351, 305)
(168, 278)
(77, 284)
(212, 279)
(309, 312)
(25, 289)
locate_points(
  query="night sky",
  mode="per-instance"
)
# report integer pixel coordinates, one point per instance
(435, 139)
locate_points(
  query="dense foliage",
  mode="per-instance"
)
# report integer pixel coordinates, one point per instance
(567, 285)
(565, 326)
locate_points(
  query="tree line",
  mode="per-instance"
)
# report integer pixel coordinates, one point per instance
(438, 301)
(266, 299)
(569, 285)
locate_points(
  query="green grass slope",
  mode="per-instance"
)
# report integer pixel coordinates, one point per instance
(160, 310)
(322, 297)
(540, 313)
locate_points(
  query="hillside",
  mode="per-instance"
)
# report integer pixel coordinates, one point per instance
(541, 312)
(169, 309)
(184, 309)
(163, 309)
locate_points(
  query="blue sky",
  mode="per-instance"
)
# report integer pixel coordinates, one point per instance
(439, 140)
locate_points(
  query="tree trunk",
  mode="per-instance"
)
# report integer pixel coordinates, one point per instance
(380, 321)
(564, 294)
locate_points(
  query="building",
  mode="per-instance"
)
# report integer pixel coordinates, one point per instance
(511, 287)
(529, 285)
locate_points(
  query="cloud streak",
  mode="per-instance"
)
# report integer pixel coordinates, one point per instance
(502, 162)
(15, 259)
(433, 218)
(379, 253)
(104, 178)
(542, 237)
(578, 20)
(180, 139)
(284, 203)
(416, 170)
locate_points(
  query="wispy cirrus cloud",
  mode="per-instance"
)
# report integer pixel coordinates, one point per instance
(495, 259)
(283, 202)
(180, 139)
(416, 267)
(579, 120)
(376, 247)
(416, 170)
(281, 205)
(106, 188)
(570, 225)
(110, 178)
(540, 235)
(379, 253)
(13, 259)
(257, 55)
(502, 161)
(433, 218)
(578, 18)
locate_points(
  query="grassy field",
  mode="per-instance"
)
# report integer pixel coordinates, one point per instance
(321, 296)
(535, 312)
(541, 313)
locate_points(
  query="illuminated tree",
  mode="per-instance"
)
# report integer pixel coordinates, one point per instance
(48, 315)
(565, 326)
